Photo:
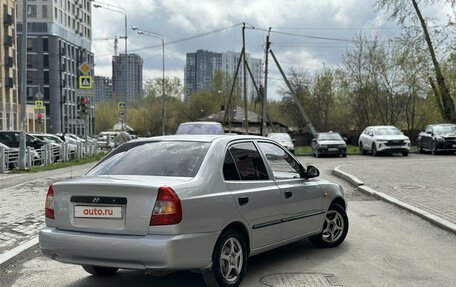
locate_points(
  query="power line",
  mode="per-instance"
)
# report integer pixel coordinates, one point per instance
(191, 37)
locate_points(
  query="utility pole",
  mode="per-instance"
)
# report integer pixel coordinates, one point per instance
(246, 119)
(295, 97)
(22, 136)
(265, 88)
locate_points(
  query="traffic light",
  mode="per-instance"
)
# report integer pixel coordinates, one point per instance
(84, 106)
(40, 117)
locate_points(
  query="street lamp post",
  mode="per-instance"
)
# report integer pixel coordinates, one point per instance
(158, 36)
(122, 11)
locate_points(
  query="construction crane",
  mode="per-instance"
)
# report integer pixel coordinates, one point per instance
(115, 38)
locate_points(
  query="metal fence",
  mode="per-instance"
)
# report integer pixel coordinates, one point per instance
(48, 154)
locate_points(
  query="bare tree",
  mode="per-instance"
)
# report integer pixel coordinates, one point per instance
(409, 11)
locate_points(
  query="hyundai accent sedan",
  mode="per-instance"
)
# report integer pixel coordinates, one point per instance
(203, 203)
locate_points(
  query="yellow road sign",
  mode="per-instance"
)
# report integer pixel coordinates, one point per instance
(85, 82)
(121, 106)
(39, 105)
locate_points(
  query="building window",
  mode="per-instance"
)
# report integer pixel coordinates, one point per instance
(31, 11)
(45, 45)
(44, 11)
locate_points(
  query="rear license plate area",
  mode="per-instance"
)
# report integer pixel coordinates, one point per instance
(98, 211)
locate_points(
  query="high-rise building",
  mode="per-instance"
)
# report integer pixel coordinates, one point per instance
(58, 43)
(199, 70)
(229, 64)
(102, 88)
(133, 88)
(9, 104)
(201, 66)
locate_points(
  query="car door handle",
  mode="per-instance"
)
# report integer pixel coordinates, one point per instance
(288, 194)
(243, 200)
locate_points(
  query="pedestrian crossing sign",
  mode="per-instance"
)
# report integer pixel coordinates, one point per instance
(85, 82)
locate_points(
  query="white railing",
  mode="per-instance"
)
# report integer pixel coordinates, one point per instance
(46, 155)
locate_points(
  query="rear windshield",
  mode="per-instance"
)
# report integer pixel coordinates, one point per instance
(199, 129)
(181, 159)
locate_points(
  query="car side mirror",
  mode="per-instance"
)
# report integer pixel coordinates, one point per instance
(311, 171)
(345, 139)
(429, 132)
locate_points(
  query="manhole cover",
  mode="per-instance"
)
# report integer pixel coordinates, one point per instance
(409, 187)
(300, 280)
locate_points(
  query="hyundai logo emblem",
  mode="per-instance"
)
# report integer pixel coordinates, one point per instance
(96, 200)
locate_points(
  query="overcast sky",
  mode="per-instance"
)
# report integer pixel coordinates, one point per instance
(182, 19)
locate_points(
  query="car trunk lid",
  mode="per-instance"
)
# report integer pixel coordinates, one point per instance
(108, 204)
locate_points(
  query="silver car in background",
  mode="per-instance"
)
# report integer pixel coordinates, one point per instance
(202, 203)
(284, 139)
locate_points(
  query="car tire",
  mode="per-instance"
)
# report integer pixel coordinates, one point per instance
(405, 153)
(229, 261)
(100, 271)
(362, 151)
(374, 150)
(419, 148)
(434, 149)
(344, 155)
(335, 228)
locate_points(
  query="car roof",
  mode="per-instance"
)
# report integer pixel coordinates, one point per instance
(200, 123)
(447, 124)
(199, 138)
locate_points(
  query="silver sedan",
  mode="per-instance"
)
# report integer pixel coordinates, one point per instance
(202, 203)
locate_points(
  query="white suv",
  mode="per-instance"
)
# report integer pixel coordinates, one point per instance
(383, 139)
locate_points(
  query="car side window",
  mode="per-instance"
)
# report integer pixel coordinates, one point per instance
(283, 166)
(230, 171)
(248, 161)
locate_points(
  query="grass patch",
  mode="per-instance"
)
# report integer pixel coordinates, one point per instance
(58, 165)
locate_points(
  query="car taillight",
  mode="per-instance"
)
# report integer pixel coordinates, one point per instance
(167, 209)
(49, 206)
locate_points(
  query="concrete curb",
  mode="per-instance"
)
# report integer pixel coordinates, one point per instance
(14, 253)
(353, 180)
(442, 223)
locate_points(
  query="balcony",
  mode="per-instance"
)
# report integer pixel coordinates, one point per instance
(7, 19)
(9, 82)
(8, 41)
(9, 61)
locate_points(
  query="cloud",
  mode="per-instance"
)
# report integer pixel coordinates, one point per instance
(179, 19)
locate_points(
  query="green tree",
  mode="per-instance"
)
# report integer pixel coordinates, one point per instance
(409, 12)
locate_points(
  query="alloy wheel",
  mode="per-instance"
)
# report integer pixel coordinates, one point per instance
(231, 259)
(334, 226)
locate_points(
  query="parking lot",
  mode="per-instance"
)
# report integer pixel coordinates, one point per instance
(423, 181)
(386, 245)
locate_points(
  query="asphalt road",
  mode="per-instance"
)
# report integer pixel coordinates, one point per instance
(385, 246)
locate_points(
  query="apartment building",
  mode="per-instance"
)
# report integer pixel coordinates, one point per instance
(58, 42)
(9, 101)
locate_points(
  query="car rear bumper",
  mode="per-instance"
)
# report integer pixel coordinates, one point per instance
(149, 252)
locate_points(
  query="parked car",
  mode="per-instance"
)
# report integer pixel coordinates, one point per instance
(200, 128)
(11, 139)
(383, 139)
(56, 140)
(284, 139)
(202, 203)
(437, 138)
(12, 155)
(329, 143)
